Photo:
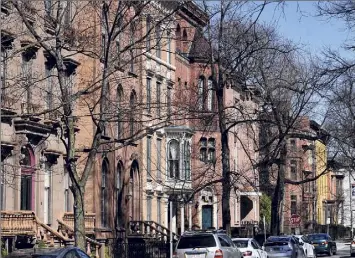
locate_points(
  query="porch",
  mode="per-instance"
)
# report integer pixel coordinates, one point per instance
(25, 225)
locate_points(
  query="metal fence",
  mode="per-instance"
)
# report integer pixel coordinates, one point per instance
(147, 249)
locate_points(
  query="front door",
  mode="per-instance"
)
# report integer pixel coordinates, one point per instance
(207, 216)
(26, 192)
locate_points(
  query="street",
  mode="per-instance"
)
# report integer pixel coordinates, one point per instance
(343, 251)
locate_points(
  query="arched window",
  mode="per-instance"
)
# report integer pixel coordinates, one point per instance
(187, 160)
(210, 95)
(200, 95)
(173, 159)
(132, 102)
(119, 98)
(104, 201)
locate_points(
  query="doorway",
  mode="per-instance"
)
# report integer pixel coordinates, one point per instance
(207, 216)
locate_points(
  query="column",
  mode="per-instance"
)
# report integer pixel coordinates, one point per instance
(173, 216)
(182, 219)
(166, 214)
(190, 215)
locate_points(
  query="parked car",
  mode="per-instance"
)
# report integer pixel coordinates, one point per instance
(206, 244)
(249, 247)
(283, 246)
(308, 248)
(352, 248)
(323, 243)
(67, 252)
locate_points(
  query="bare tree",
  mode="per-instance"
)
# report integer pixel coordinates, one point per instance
(109, 39)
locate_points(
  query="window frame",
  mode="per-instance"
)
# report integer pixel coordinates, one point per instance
(174, 174)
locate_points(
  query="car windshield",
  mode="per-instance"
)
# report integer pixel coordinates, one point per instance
(317, 237)
(200, 241)
(241, 243)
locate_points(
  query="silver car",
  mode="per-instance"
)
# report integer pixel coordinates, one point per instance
(283, 246)
(206, 244)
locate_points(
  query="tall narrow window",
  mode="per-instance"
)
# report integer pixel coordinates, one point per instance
(169, 48)
(49, 79)
(293, 169)
(27, 63)
(47, 194)
(131, 48)
(168, 102)
(3, 69)
(149, 27)
(119, 97)
(148, 94)
(158, 40)
(158, 92)
(293, 204)
(104, 201)
(187, 160)
(159, 159)
(173, 159)
(132, 103)
(48, 7)
(67, 199)
(149, 208)
(293, 145)
(118, 188)
(149, 159)
(211, 150)
(210, 95)
(203, 149)
(200, 92)
(159, 210)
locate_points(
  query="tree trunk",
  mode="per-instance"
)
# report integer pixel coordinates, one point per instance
(79, 217)
(226, 182)
(277, 199)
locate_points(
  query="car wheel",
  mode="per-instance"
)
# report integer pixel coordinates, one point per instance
(330, 253)
(352, 254)
(334, 250)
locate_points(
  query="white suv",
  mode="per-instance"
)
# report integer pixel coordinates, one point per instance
(206, 244)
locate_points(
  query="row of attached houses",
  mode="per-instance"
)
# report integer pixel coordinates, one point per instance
(133, 188)
(324, 201)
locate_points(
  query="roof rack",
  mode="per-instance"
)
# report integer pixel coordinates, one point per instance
(215, 231)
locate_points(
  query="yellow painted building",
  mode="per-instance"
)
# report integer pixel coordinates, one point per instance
(323, 183)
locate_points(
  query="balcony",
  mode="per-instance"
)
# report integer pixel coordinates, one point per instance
(68, 219)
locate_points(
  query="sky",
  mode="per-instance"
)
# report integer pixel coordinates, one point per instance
(298, 23)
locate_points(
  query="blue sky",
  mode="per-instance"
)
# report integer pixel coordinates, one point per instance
(298, 23)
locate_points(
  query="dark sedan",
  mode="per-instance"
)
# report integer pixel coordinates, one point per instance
(323, 244)
(67, 252)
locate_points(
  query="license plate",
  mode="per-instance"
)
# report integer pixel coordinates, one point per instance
(315, 244)
(196, 255)
(276, 249)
